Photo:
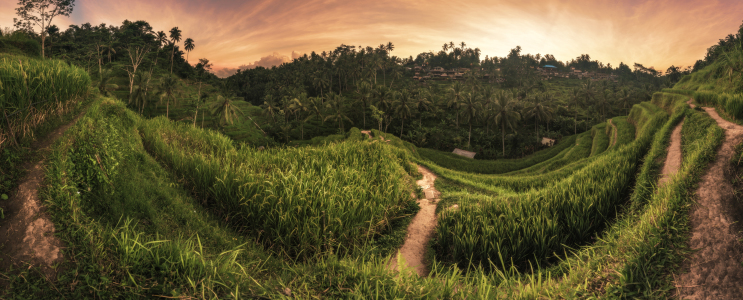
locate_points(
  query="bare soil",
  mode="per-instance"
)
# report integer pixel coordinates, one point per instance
(367, 132)
(715, 270)
(673, 159)
(614, 141)
(26, 233)
(421, 229)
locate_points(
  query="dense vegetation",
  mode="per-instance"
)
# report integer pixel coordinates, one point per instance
(153, 201)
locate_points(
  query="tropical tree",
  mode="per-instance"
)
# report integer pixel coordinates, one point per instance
(175, 36)
(337, 110)
(575, 96)
(139, 94)
(315, 107)
(404, 106)
(504, 114)
(625, 98)
(189, 45)
(41, 13)
(301, 105)
(471, 107)
(103, 86)
(456, 95)
(167, 90)
(422, 103)
(365, 94)
(270, 107)
(539, 110)
(225, 110)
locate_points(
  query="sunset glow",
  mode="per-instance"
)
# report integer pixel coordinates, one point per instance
(244, 33)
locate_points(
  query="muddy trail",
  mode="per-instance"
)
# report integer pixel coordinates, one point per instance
(27, 233)
(614, 141)
(714, 270)
(673, 158)
(421, 228)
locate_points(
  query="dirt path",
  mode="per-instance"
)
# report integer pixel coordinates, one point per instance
(27, 234)
(673, 158)
(715, 270)
(421, 229)
(614, 141)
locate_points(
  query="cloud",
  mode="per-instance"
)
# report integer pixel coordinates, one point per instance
(229, 33)
(269, 61)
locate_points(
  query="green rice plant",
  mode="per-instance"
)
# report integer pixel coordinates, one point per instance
(303, 201)
(24, 81)
(668, 102)
(679, 91)
(625, 131)
(499, 166)
(533, 226)
(581, 150)
(602, 136)
(734, 106)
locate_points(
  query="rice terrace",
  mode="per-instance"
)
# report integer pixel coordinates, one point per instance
(354, 150)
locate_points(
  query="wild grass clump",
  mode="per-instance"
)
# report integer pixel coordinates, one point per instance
(300, 201)
(669, 102)
(33, 91)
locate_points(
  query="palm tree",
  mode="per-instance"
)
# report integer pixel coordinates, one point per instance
(365, 93)
(422, 103)
(471, 107)
(139, 94)
(504, 114)
(575, 99)
(404, 107)
(539, 111)
(103, 86)
(445, 47)
(389, 47)
(200, 99)
(625, 98)
(316, 109)
(396, 73)
(225, 110)
(167, 89)
(462, 44)
(175, 36)
(456, 92)
(270, 107)
(337, 110)
(189, 45)
(300, 105)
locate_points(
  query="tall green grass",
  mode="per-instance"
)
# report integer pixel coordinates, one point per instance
(501, 232)
(601, 138)
(24, 81)
(301, 201)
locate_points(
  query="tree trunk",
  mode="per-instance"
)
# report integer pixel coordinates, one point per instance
(402, 127)
(469, 137)
(167, 109)
(503, 139)
(195, 116)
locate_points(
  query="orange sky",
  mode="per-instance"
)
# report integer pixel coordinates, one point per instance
(238, 33)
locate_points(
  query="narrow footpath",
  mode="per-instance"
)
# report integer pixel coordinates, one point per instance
(420, 230)
(614, 141)
(673, 158)
(715, 270)
(27, 234)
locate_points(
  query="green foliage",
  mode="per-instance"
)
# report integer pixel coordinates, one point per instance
(19, 43)
(25, 80)
(455, 162)
(600, 138)
(303, 201)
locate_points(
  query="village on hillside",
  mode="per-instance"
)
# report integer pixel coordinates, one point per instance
(546, 72)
